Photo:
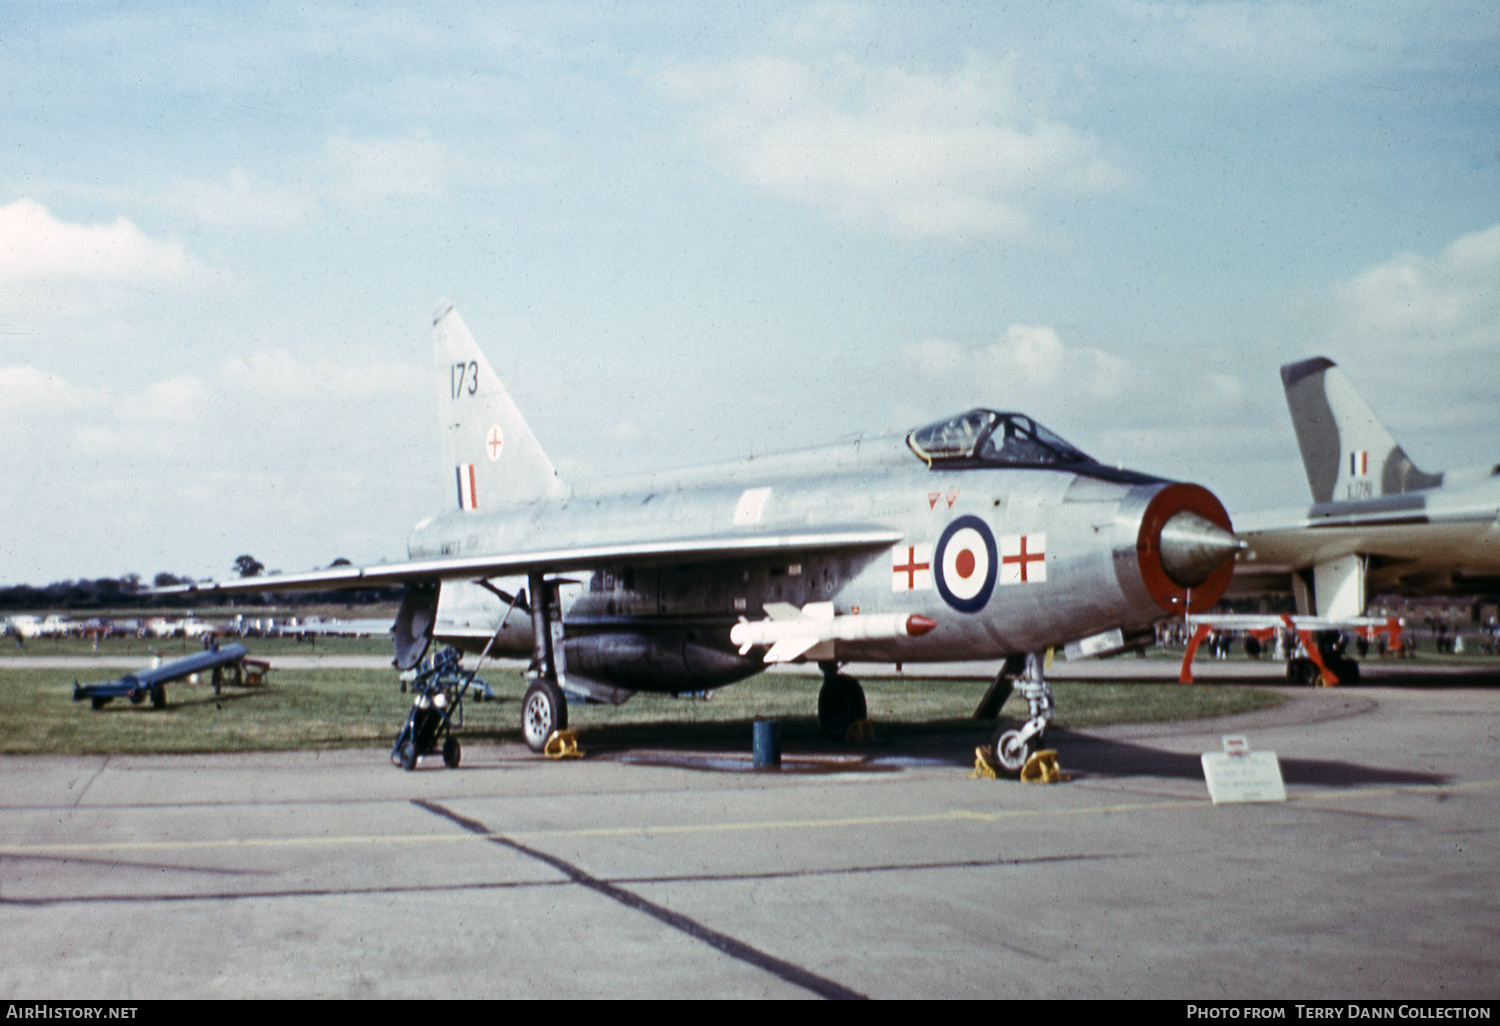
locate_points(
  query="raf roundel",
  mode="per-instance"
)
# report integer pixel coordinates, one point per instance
(966, 564)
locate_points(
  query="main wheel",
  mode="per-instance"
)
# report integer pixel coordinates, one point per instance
(544, 709)
(1011, 752)
(158, 697)
(451, 752)
(841, 702)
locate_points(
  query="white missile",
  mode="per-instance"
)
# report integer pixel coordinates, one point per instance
(791, 632)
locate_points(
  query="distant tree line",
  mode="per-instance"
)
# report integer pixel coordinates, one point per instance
(104, 593)
(128, 592)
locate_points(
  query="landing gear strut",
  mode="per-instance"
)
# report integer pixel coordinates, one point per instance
(544, 708)
(1330, 647)
(1013, 747)
(841, 702)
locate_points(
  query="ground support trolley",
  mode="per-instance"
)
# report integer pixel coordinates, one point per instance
(438, 687)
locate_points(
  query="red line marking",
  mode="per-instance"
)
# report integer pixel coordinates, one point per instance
(911, 568)
(1023, 558)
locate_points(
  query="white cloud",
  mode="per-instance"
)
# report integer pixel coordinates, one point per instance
(1446, 303)
(1420, 337)
(188, 413)
(957, 155)
(279, 456)
(37, 247)
(1028, 366)
(25, 391)
(172, 401)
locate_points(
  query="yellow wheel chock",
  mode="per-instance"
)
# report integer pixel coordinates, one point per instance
(984, 768)
(562, 744)
(1042, 768)
(860, 732)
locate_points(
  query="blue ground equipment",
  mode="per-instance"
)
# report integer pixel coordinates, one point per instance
(136, 686)
(438, 691)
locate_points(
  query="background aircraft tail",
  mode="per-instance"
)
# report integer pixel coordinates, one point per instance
(493, 454)
(1347, 452)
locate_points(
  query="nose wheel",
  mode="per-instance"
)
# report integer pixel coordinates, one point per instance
(1014, 746)
(1012, 751)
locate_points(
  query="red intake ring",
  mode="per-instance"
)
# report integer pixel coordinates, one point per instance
(1164, 505)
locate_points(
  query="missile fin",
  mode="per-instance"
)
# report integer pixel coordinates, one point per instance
(818, 610)
(787, 649)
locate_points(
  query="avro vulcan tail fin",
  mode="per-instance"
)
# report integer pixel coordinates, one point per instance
(493, 456)
(1347, 452)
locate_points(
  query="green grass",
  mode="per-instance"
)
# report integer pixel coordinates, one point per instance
(321, 709)
(299, 709)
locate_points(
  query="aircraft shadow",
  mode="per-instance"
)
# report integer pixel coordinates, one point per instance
(953, 742)
(1079, 753)
(1397, 673)
(948, 740)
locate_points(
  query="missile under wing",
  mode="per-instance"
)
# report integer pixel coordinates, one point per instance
(980, 536)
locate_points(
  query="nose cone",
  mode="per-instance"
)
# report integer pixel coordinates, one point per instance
(1193, 547)
(1184, 547)
(918, 625)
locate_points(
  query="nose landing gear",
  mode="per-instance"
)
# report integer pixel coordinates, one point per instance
(1015, 746)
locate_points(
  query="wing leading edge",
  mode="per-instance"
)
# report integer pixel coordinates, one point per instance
(561, 560)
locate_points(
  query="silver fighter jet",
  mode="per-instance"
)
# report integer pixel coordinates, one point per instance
(980, 536)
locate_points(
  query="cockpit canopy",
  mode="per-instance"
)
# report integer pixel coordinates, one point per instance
(991, 439)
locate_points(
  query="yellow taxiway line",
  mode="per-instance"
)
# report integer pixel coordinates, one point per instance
(667, 830)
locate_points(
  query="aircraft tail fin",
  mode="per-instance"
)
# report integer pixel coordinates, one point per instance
(493, 454)
(1346, 451)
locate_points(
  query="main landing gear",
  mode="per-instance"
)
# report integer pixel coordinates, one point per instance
(544, 709)
(1304, 669)
(1015, 745)
(841, 702)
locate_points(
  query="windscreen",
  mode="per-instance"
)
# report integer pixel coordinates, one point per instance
(990, 438)
(954, 438)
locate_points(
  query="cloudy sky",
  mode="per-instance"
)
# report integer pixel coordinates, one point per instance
(685, 233)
